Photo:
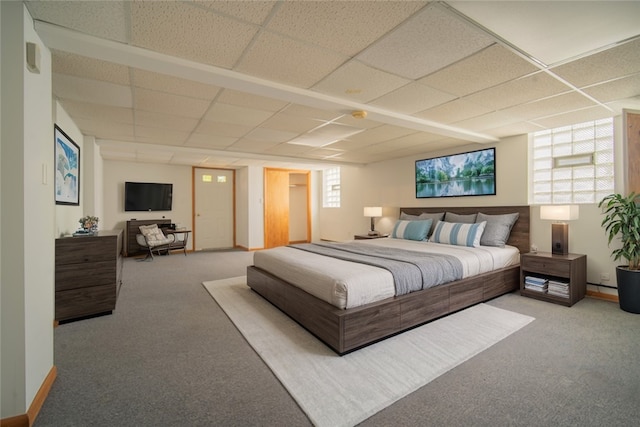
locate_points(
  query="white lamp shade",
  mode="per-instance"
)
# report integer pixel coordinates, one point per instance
(559, 212)
(373, 211)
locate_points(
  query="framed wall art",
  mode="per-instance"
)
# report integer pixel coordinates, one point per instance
(466, 174)
(67, 164)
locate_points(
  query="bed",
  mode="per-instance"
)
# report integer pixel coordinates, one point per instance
(347, 329)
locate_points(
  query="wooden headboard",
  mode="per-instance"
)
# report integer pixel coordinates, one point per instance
(519, 236)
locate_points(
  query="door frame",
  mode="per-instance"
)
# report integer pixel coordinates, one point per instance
(193, 201)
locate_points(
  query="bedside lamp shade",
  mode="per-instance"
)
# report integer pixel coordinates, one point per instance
(373, 212)
(560, 229)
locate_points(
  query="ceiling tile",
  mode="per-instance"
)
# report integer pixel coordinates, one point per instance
(185, 31)
(616, 62)
(312, 113)
(169, 84)
(160, 136)
(525, 89)
(626, 87)
(550, 106)
(249, 145)
(290, 123)
(341, 26)
(105, 19)
(91, 91)
(88, 110)
(573, 117)
(412, 98)
(489, 67)
(429, 41)
(255, 11)
(359, 82)
(242, 99)
(233, 114)
(488, 121)
(215, 142)
(222, 129)
(556, 30)
(281, 59)
(454, 111)
(165, 121)
(149, 100)
(106, 130)
(270, 135)
(89, 68)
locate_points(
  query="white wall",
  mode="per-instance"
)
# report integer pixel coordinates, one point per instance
(28, 215)
(117, 172)
(68, 216)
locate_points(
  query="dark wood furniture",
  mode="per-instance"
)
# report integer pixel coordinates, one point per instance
(88, 274)
(180, 241)
(366, 236)
(349, 329)
(131, 246)
(571, 268)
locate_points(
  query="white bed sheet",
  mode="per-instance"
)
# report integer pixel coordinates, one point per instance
(346, 284)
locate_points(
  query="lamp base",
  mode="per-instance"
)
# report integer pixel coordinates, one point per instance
(373, 233)
(560, 238)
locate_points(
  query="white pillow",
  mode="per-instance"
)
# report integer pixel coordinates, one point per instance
(455, 233)
(153, 234)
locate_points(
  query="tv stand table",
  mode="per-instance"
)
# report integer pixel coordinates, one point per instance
(131, 246)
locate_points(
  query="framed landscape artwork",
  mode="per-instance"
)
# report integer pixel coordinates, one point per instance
(67, 164)
(466, 174)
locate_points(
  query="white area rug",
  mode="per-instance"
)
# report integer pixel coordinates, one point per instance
(343, 391)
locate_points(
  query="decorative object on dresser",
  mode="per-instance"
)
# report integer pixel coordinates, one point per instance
(131, 246)
(622, 219)
(373, 212)
(88, 275)
(560, 229)
(561, 279)
(88, 225)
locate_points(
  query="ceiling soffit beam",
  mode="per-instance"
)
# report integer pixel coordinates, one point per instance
(60, 38)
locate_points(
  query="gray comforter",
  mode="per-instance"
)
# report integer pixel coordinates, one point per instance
(411, 271)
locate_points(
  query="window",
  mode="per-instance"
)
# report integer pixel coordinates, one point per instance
(331, 188)
(572, 164)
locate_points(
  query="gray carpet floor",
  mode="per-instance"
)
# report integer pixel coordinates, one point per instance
(169, 356)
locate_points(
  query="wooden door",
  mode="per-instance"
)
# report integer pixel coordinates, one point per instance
(276, 208)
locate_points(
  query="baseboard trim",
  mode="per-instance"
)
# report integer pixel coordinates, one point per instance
(603, 296)
(41, 395)
(17, 421)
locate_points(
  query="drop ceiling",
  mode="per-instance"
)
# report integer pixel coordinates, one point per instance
(237, 83)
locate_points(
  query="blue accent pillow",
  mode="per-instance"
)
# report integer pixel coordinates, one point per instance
(455, 233)
(411, 230)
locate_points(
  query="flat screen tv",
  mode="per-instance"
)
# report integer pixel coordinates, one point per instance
(466, 174)
(147, 196)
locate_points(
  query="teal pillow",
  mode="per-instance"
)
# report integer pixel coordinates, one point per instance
(411, 230)
(460, 234)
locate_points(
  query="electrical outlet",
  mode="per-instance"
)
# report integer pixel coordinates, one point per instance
(604, 277)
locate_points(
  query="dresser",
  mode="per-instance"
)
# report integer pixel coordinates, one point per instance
(88, 274)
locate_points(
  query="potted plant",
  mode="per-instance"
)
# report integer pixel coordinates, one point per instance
(622, 217)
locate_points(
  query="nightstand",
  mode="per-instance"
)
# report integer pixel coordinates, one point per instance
(564, 277)
(366, 236)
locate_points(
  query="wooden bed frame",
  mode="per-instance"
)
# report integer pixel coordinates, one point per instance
(345, 330)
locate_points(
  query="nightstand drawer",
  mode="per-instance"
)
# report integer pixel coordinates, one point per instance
(550, 267)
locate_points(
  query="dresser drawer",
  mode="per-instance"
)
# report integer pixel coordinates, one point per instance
(546, 266)
(85, 301)
(72, 276)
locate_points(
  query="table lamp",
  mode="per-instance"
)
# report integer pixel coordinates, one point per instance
(560, 229)
(373, 212)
